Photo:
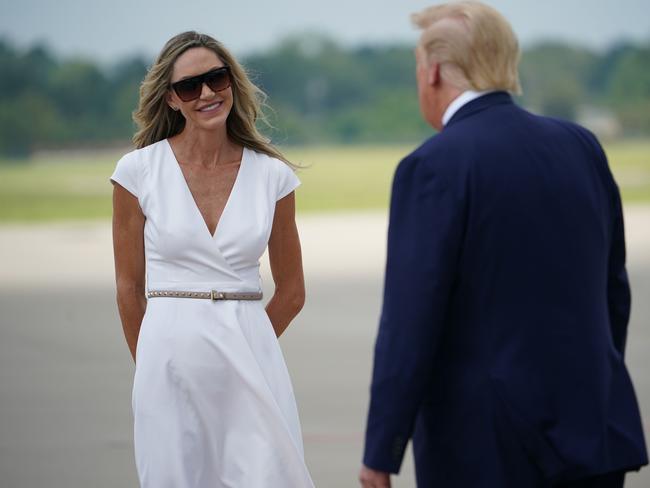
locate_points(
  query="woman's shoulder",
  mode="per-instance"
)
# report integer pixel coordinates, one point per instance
(278, 174)
(135, 166)
(267, 162)
(146, 155)
(152, 151)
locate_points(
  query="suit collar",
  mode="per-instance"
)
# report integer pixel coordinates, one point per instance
(479, 104)
(458, 103)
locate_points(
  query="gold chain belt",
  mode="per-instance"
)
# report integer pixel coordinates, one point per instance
(206, 295)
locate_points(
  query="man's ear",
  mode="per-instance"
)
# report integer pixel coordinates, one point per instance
(433, 74)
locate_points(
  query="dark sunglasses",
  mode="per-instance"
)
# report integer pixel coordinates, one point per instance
(190, 88)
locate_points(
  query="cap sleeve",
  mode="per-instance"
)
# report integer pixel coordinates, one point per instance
(126, 173)
(287, 180)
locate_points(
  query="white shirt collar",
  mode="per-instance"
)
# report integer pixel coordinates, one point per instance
(462, 99)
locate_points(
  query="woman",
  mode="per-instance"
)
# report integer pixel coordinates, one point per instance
(194, 209)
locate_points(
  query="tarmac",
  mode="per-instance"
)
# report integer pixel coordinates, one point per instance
(66, 375)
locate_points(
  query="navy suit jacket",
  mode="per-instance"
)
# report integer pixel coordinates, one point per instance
(506, 302)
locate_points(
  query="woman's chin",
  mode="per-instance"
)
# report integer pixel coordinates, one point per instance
(216, 122)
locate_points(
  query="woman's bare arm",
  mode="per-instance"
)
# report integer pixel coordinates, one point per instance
(286, 266)
(128, 248)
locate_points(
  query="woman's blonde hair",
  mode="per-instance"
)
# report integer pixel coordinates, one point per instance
(157, 121)
(473, 43)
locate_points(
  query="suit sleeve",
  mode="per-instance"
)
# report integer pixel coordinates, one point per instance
(424, 239)
(618, 288)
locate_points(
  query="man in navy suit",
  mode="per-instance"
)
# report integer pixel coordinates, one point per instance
(502, 334)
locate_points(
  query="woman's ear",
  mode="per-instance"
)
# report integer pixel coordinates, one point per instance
(170, 102)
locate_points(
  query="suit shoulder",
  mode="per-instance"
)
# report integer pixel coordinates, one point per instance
(411, 161)
(430, 150)
(446, 148)
(572, 129)
(439, 155)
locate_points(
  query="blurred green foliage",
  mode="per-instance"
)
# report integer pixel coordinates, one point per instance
(49, 103)
(558, 79)
(320, 93)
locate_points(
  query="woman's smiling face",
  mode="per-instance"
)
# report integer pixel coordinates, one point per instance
(211, 109)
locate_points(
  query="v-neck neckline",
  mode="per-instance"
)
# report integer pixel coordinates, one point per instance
(191, 196)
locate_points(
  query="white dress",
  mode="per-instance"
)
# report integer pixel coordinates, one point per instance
(212, 399)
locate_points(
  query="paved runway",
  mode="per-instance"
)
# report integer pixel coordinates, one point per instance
(65, 373)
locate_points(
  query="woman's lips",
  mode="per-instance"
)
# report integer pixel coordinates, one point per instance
(211, 108)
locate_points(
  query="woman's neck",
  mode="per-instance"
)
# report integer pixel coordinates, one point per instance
(205, 148)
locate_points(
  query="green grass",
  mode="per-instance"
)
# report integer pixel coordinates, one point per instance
(54, 189)
(344, 178)
(336, 178)
(630, 163)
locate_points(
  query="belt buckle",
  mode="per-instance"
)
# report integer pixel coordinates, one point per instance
(217, 295)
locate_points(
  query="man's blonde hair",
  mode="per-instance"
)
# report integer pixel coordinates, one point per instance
(473, 43)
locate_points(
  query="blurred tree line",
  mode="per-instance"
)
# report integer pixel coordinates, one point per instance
(319, 92)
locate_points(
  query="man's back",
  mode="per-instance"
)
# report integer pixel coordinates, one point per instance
(506, 301)
(521, 240)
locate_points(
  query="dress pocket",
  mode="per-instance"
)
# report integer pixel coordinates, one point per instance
(256, 314)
